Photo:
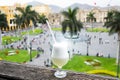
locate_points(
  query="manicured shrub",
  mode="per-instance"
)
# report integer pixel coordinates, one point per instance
(96, 64)
(6, 53)
(93, 62)
(17, 52)
(89, 60)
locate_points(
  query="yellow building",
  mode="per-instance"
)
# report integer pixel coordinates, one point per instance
(10, 11)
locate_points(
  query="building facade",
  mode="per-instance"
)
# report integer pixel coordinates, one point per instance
(42, 9)
(54, 18)
(57, 18)
(10, 11)
(100, 14)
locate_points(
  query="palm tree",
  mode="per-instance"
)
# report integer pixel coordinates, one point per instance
(3, 24)
(91, 18)
(71, 22)
(28, 16)
(113, 23)
(42, 19)
(18, 22)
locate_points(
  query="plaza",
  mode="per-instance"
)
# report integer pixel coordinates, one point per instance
(106, 47)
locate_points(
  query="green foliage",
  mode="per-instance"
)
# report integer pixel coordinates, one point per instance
(71, 22)
(91, 17)
(18, 20)
(22, 57)
(97, 30)
(27, 16)
(42, 19)
(3, 20)
(113, 21)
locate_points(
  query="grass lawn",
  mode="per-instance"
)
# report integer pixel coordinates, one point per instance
(97, 30)
(57, 29)
(9, 39)
(31, 32)
(21, 56)
(77, 64)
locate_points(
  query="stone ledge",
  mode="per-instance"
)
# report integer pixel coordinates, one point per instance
(15, 71)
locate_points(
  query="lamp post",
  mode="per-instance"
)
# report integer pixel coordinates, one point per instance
(88, 42)
(87, 49)
(30, 51)
(118, 67)
(5, 43)
(118, 63)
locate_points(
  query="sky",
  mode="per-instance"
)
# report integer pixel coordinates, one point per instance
(64, 3)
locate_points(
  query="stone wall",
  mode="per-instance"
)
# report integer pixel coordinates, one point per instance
(14, 71)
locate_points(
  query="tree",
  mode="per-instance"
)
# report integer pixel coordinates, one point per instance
(3, 24)
(28, 16)
(91, 18)
(18, 22)
(113, 23)
(42, 19)
(71, 22)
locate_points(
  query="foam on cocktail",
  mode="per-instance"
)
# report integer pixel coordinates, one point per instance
(59, 54)
(60, 49)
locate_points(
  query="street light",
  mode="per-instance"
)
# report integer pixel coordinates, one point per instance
(118, 66)
(5, 43)
(88, 42)
(30, 51)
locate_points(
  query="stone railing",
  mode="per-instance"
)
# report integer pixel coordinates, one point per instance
(14, 71)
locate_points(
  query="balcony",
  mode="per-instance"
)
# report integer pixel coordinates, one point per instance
(15, 71)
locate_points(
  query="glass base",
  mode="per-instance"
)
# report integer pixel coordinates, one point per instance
(60, 74)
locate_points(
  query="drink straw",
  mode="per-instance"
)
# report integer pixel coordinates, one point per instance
(51, 31)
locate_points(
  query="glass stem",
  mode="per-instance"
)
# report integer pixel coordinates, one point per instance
(59, 68)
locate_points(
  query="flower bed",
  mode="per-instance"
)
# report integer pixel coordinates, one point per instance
(93, 62)
(110, 73)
